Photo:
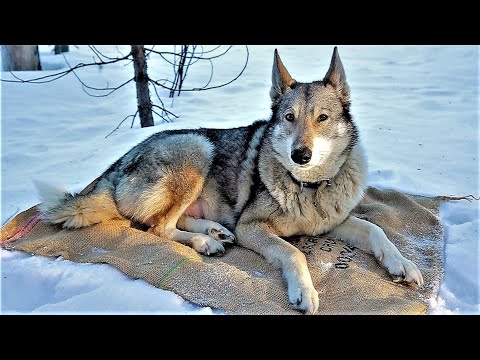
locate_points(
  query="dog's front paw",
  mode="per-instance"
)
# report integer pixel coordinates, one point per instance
(303, 296)
(206, 245)
(400, 268)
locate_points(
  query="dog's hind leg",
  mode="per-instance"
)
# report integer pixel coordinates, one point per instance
(163, 184)
(164, 224)
(178, 191)
(203, 226)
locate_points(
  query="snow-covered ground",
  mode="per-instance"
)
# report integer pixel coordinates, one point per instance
(416, 108)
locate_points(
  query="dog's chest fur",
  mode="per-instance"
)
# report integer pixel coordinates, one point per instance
(315, 211)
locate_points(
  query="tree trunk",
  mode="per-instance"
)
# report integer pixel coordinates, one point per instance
(141, 80)
(20, 58)
(60, 49)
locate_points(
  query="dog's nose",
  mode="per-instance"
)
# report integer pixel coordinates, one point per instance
(301, 156)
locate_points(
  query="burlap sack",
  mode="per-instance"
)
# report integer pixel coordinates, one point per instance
(348, 280)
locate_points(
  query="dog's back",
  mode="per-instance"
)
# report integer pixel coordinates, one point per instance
(226, 158)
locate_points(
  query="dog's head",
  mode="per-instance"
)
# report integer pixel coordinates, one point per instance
(312, 122)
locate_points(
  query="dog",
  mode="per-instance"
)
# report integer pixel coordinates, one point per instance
(299, 173)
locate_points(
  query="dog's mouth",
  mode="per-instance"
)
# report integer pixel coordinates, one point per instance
(302, 167)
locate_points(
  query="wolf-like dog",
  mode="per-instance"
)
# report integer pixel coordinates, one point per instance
(299, 173)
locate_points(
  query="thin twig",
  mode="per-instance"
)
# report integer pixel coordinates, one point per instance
(173, 63)
(146, 55)
(159, 99)
(20, 80)
(163, 118)
(121, 122)
(118, 50)
(133, 121)
(186, 69)
(469, 198)
(58, 75)
(166, 111)
(211, 74)
(211, 50)
(92, 48)
(99, 52)
(179, 73)
(192, 54)
(107, 88)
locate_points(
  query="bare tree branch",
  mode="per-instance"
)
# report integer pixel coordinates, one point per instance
(147, 54)
(186, 71)
(163, 117)
(58, 75)
(20, 80)
(85, 86)
(189, 53)
(95, 50)
(165, 110)
(161, 102)
(121, 122)
(178, 81)
(118, 50)
(211, 74)
(211, 50)
(210, 87)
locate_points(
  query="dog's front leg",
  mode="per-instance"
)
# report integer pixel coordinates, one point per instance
(260, 238)
(372, 239)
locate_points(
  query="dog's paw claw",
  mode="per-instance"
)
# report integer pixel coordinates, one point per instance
(222, 235)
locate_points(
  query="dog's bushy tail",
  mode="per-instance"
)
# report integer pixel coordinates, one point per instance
(76, 211)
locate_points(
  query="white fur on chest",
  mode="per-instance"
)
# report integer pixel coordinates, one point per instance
(314, 212)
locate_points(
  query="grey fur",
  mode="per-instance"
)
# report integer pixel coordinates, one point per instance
(183, 184)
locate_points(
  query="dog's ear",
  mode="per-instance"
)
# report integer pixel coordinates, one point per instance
(281, 79)
(336, 76)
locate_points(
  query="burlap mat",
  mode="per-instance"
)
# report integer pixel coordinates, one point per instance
(242, 282)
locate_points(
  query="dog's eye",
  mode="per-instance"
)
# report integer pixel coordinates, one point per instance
(322, 117)
(289, 117)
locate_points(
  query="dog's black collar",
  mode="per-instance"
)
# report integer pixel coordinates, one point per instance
(310, 185)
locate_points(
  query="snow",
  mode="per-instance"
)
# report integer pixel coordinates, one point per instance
(459, 291)
(41, 285)
(416, 108)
